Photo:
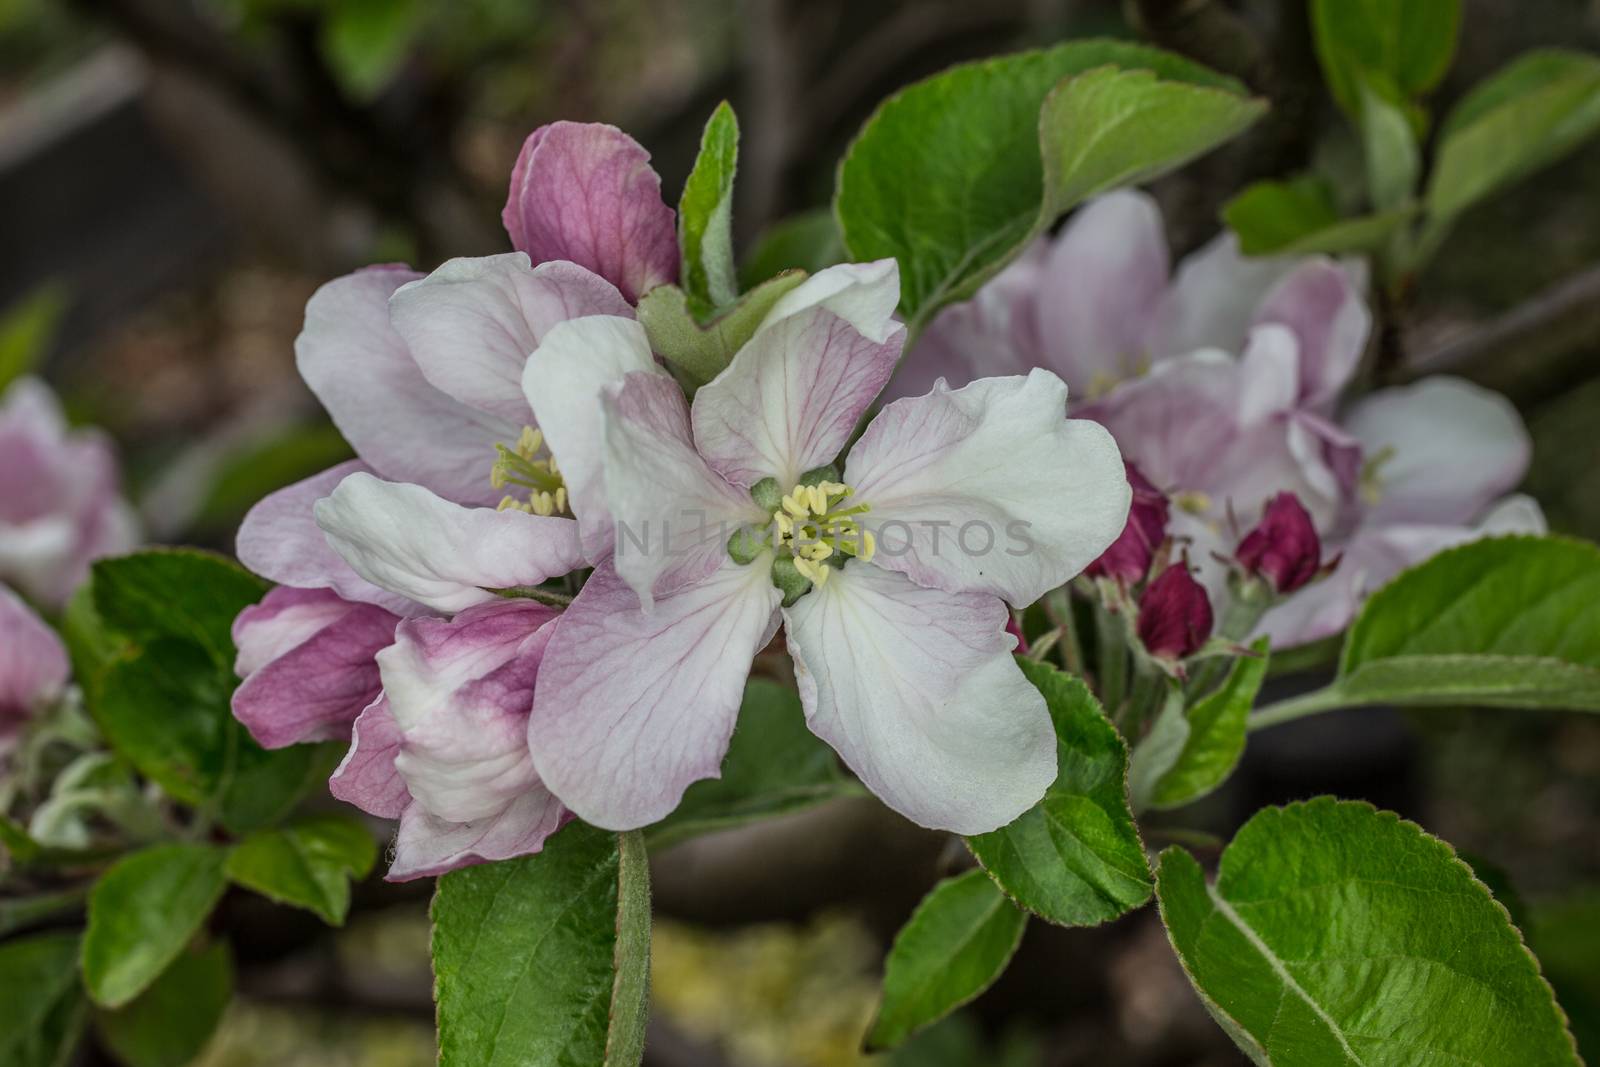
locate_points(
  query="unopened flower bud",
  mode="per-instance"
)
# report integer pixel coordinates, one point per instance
(1284, 547)
(1128, 558)
(1174, 614)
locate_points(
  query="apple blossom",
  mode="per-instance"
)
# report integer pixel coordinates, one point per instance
(33, 667)
(730, 520)
(60, 503)
(1283, 547)
(1129, 557)
(1174, 614)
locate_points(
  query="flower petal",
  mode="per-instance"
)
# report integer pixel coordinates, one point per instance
(1105, 277)
(585, 192)
(563, 381)
(630, 708)
(1442, 449)
(461, 691)
(406, 540)
(471, 324)
(917, 690)
(990, 488)
(791, 398)
(33, 664)
(862, 294)
(1320, 304)
(674, 514)
(427, 846)
(361, 370)
(1213, 298)
(281, 541)
(306, 657)
(367, 776)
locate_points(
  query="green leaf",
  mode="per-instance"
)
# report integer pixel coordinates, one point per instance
(949, 175)
(956, 944)
(1501, 622)
(264, 785)
(1216, 734)
(175, 592)
(1158, 752)
(1565, 935)
(700, 352)
(41, 1007)
(1532, 113)
(264, 465)
(26, 330)
(774, 766)
(808, 241)
(308, 864)
(1338, 934)
(18, 912)
(142, 913)
(169, 1024)
(705, 216)
(165, 708)
(1298, 217)
(529, 965)
(1394, 159)
(1074, 858)
(365, 41)
(1401, 46)
(89, 644)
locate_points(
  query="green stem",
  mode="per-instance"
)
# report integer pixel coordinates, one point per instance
(1058, 609)
(1238, 620)
(1111, 635)
(1318, 700)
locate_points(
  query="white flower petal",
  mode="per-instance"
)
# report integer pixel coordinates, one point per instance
(427, 846)
(917, 690)
(862, 294)
(406, 540)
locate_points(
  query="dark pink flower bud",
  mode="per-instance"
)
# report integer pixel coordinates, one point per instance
(1129, 556)
(1015, 630)
(1284, 547)
(1174, 614)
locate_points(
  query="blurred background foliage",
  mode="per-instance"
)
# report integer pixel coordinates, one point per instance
(177, 176)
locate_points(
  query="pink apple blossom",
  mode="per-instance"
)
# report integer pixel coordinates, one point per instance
(33, 667)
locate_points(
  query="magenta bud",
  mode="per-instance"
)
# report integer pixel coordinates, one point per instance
(1015, 630)
(1284, 547)
(1174, 614)
(1129, 556)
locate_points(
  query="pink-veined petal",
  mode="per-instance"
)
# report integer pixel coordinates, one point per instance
(862, 294)
(791, 398)
(472, 324)
(426, 846)
(630, 708)
(407, 540)
(917, 690)
(586, 192)
(33, 665)
(990, 488)
(1213, 298)
(367, 776)
(1320, 304)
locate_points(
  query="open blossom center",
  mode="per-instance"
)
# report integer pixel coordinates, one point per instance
(520, 466)
(812, 525)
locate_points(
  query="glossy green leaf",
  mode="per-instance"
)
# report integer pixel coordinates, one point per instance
(1338, 934)
(308, 864)
(165, 708)
(1403, 47)
(1393, 157)
(705, 216)
(955, 945)
(27, 329)
(1298, 217)
(1502, 622)
(143, 913)
(41, 1006)
(699, 351)
(1158, 751)
(808, 241)
(1075, 858)
(1216, 734)
(529, 965)
(170, 1023)
(774, 766)
(175, 592)
(949, 176)
(1537, 110)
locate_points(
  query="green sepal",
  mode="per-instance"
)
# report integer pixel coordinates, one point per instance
(767, 494)
(745, 545)
(817, 475)
(788, 580)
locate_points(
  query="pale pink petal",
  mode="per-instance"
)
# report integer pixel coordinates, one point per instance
(990, 488)
(367, 776)
(585, 192)
(281, 541)
(33, 665)
(791, 398)
(405, 539)
(674, 514)
(472, 324)
(630, 708)
(1213, 298)
(307, 659)
(917, 690)
(1441, 449)
(1106, 274)
(361, 370)
(1320, 304)
(563, 381)
(461, 691)
(862, 294)
(426, 846)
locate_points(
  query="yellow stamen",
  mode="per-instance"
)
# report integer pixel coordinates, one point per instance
(519, 465)
(811, 527)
